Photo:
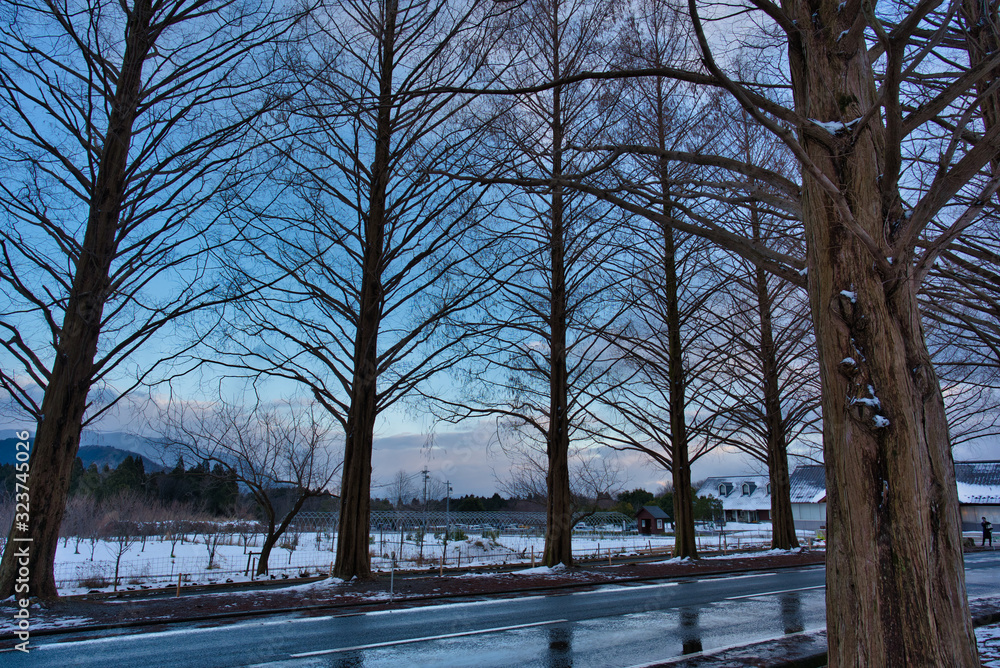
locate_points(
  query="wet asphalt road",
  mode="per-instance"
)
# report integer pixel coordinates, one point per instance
(614, 625)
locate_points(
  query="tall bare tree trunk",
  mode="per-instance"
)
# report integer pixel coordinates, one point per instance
(58, 436)
(891, 600)
(782, 523)
(559, 507)
(353, 559)
(685, 543)
(680, 466)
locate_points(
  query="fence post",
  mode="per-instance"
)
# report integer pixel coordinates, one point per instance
(179, 575)
(392, 575)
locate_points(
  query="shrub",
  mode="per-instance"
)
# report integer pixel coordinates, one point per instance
(94, 582)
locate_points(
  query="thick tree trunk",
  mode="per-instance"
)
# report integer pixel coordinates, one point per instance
(685, 544)
(782, 523)
(265, 551)
(353, 559)
(895, 580)
(58, 435)
(559, 506)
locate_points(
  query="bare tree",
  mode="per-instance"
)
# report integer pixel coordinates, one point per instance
(543, 355)
(78, 521)
(268, 450)
(595, 473)
(120, 524)
(366, 250)
(400, 489)
(766, 380)
(960, 304)
(869, 105)
(669, 286)
(123, 123)
(874, 224)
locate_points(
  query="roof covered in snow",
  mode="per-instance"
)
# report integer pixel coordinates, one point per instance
(747, 492)
(808, 483)
(978, 482)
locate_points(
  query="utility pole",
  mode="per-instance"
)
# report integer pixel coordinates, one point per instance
(423, 531)
(447, 512)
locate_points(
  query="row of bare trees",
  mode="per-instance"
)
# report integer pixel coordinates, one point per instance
(599, 215)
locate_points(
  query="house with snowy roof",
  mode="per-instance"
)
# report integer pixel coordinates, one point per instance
(808, 496)
(978, 494)
(744, 498)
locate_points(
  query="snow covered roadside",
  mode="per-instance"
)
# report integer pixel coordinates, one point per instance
(988, 639)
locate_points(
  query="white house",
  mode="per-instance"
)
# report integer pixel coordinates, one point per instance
(978, 494)
(808, 496)
(744, 498)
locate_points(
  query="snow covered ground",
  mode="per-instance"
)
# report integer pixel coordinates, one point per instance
(88, 566)
(988, 638)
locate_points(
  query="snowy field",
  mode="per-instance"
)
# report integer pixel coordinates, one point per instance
(90, 565)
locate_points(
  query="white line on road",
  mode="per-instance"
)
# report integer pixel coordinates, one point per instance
(772, 593)
(729, 578)
(617, 589)
(426, 638)
(448, 606)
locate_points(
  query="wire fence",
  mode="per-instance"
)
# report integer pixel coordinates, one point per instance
(402, 551)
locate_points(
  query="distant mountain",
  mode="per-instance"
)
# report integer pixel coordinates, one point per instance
(104, 454)
(8, 450)
(90, 454)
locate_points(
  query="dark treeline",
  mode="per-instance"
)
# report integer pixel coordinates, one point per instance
(205, 489)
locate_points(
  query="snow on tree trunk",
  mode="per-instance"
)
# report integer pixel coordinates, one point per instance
(895, 580)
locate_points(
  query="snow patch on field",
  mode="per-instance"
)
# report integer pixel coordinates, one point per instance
(542, 570)
(675, 560)
(756, 555)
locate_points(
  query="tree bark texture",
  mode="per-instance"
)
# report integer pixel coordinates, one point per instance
(895, 580)
(57, 438)
(559, 506)
(353, 558)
